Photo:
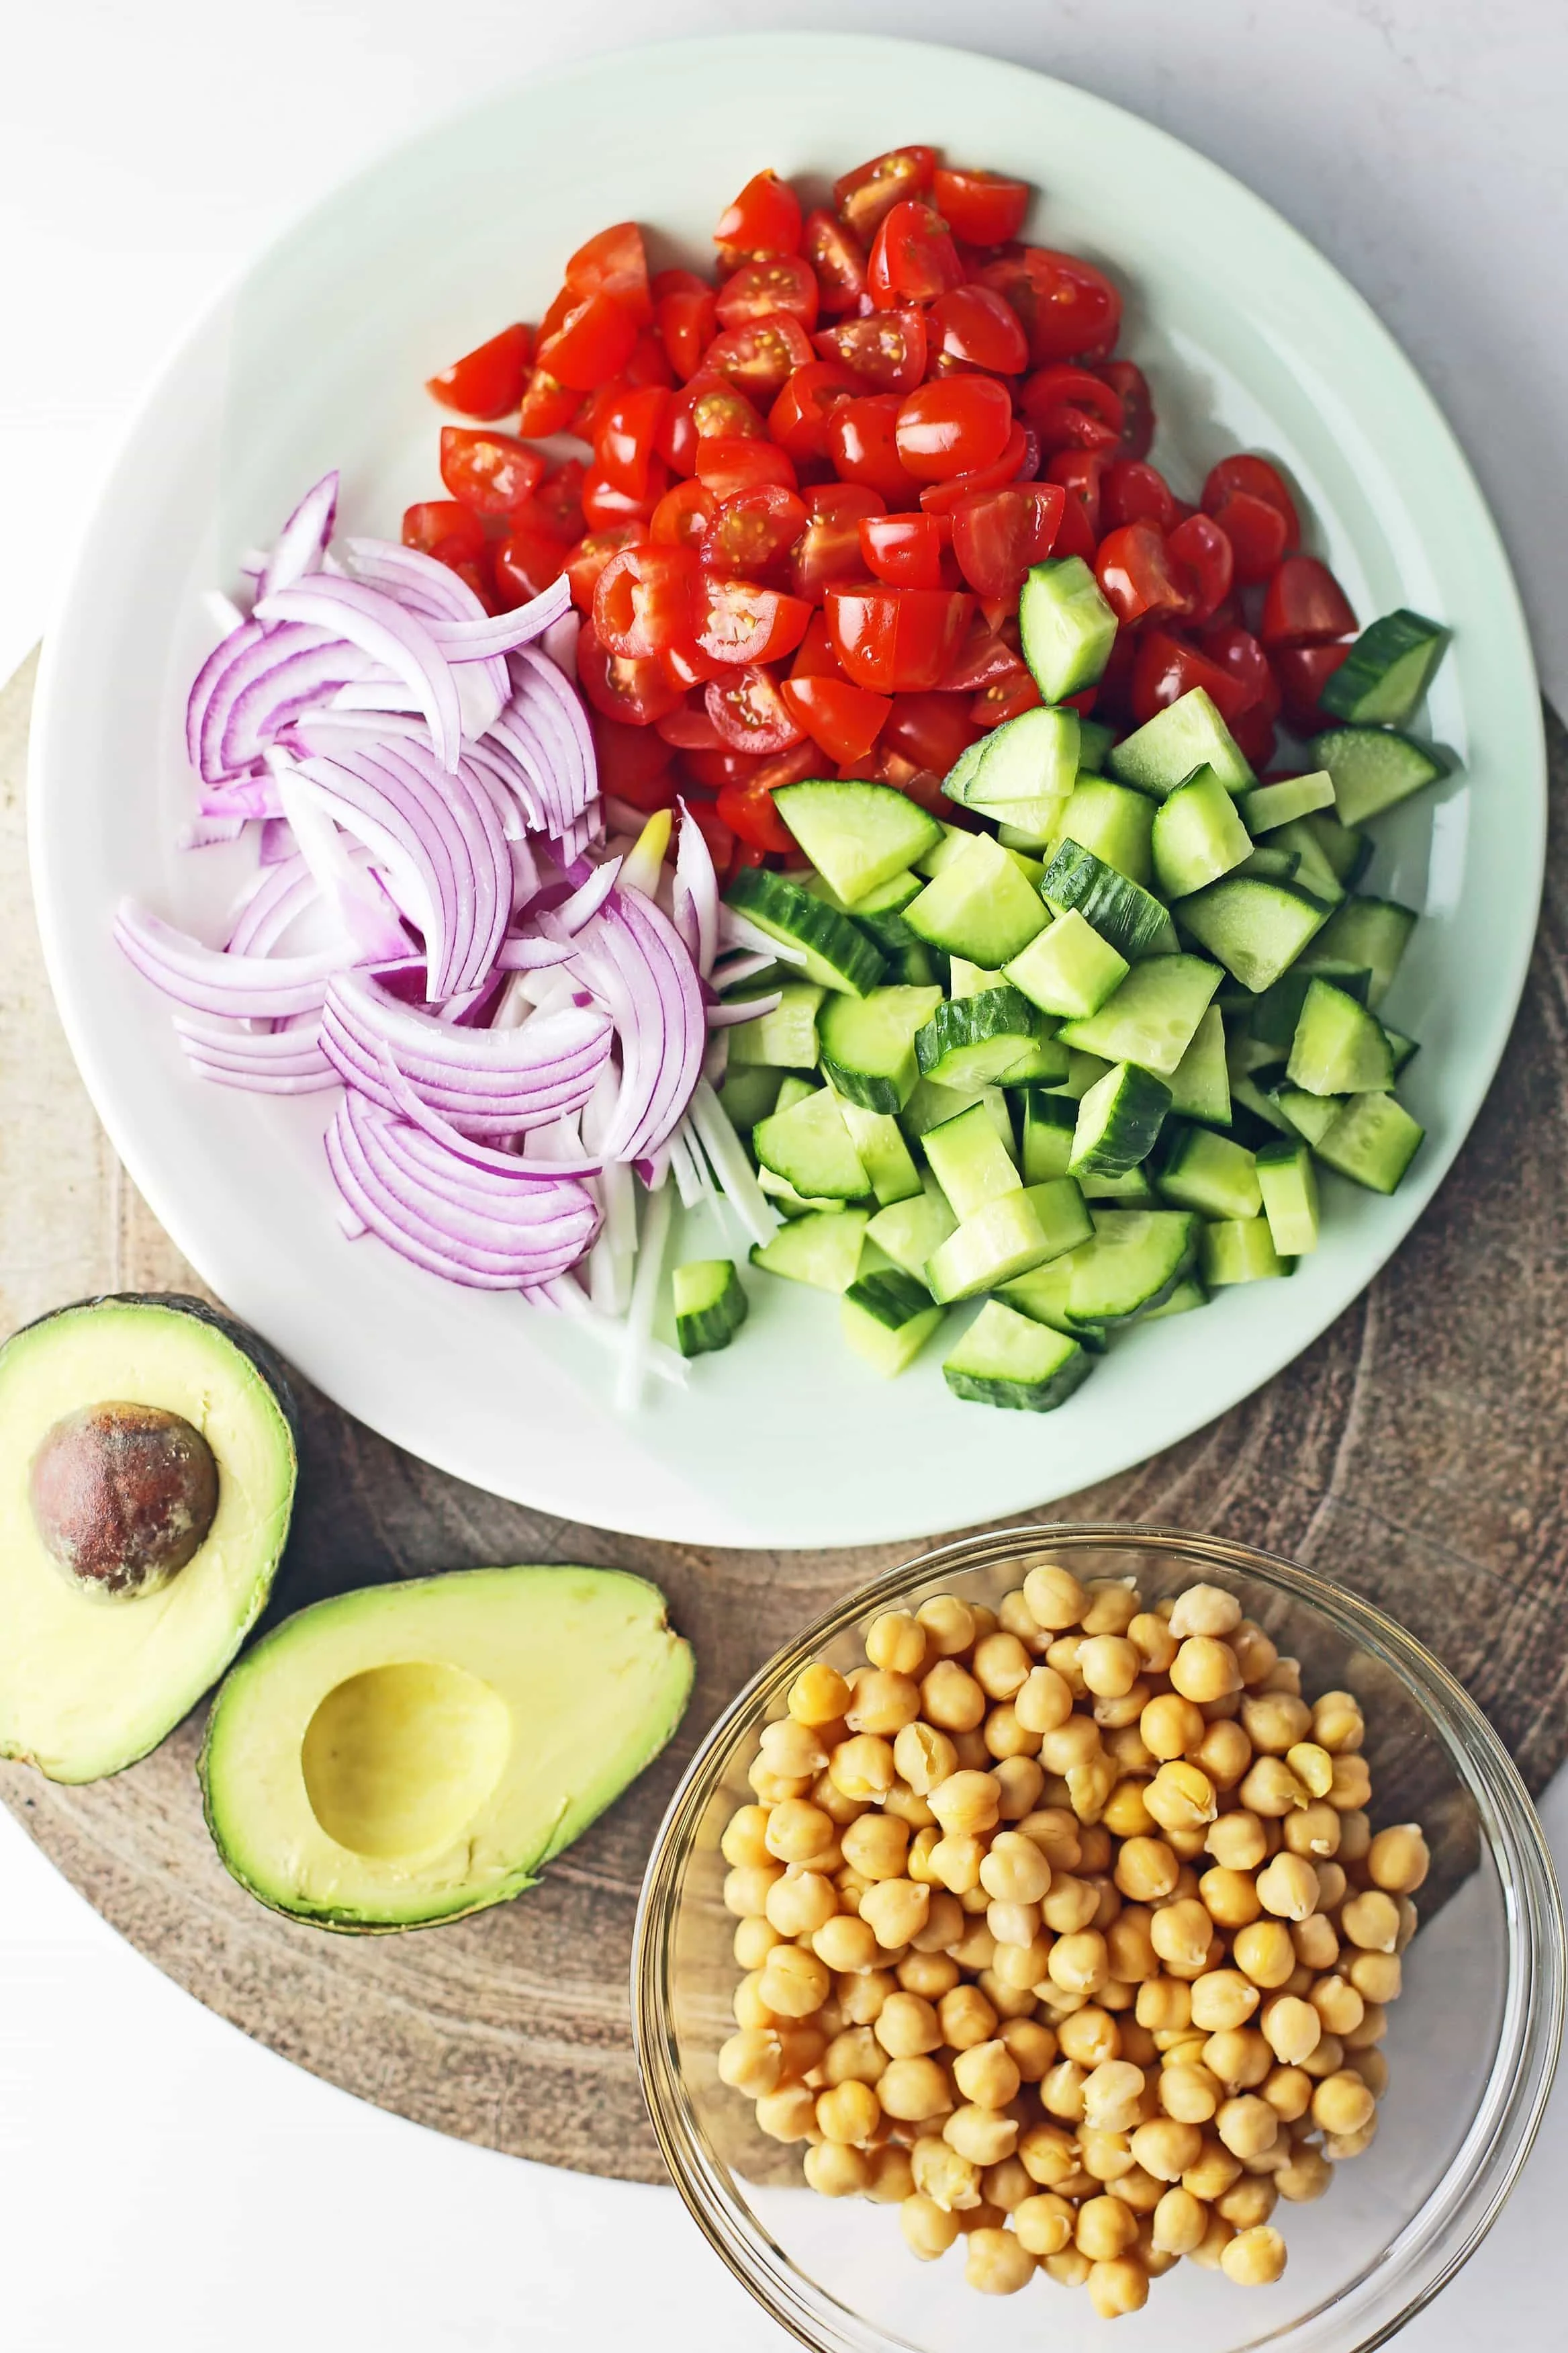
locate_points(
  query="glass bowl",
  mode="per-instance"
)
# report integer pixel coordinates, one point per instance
(1471, 2044)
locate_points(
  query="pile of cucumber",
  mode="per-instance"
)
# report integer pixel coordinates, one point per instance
(1081, 1065)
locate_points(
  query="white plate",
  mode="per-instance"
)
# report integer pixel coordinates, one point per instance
(317, 359)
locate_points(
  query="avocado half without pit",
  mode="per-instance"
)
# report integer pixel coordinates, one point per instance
(147, 1469)
(402, 1755)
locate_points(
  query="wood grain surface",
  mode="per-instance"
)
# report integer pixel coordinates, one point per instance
(1418, 1452)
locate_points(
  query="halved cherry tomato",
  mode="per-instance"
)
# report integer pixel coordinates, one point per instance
(441, 528)
(1166, 666)
(1258, 479)
(548, 405)
(803, 759)
(740, 621)
(1134, 492)
(751, 530)
(1239, 655)
(953, 426)
(649, 361)
(749, 712)
(973, 327)
(896, 640)
(614, 263)
(909, 549)
(997, 534)
(687, 666)
(726, 466)
(689, 727)
(686, 319)
(593, 341)
(524, 565)
(682, 515)
(633, 690)
(759, 290)
(705, 409)
(863, 444)
(748, 810)
(1080, 473)
(930, 729)
(983, 658)
(981, 208)
(864, 197)
(642, 599)
(625, 436)
(556, 506)
(1074, 536)
(1005, 699)
(839, 261)
(828, 548)
(886, 350)
(1257, 530)
(677, 280)
(1017, 463)
(1132, 570)
(588, 558)
(843, 718)
(798, 417)
(763, 219)
(487, 380)
(491, 472)
(1199, 554)
(1302, 673)
(1069, 310)
(1130, 385)
(1305, 606)
(757, 358)
(1072, 408)
(814, 657)
(605, 505)
(912, 258)
(713, 770)
(634, 764)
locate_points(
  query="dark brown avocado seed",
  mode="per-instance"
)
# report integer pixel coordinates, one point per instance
(122, 1497)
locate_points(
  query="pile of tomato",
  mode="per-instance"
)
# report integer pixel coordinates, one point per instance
(819, 475)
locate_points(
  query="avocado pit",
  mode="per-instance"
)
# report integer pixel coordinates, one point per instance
(122, 1497)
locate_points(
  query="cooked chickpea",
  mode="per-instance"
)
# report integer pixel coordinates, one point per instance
(984, 2136)
(951, 1698)
(1108, 1665)
(862, 1767)
(1236, 1842)
(890, 2176)
(1043, 2223)
(1008, 2001)
(1005, 2185)
(1351, 1788)
(877, 1846)
(1256, 1654)
(1399, 1859)
(1339, 2147)
(861, 1998)
(1230, 1897)
(1062, 2092)
(1165, 2005)
(914, 2091)
(883, 1702)
(1343, 2104)
(787, 2113)
(1288, 2091)
(1338, 1724)
(746, 1887)
(1181, 1934)
(1371, 1921)
(1224, 1751)
(799, 1904)
(1356, 1836)
(1214, 2173)
(1129, 1948)
(1091, 2036)
(755, 1940)
(854, 2055)
(1337, 2004)
(1204, 1609)
(1150, 1636)
(1312, 1766)
(792, 1748)
(948, 1625)
(987, 2075)
(940, 2172)
(955, 1862)
(930, 1974)
(1020, 1783)
(996, 2264)
(896, 1641)
(1291, 2028)
(1240, 2057)
(1275, 1722)
(1270, 1789)
(1078, 1962)
(907, 2026)
(1289, 1888)
(929, 2229)
(751, 2063)
(1247, 2126)
(1181, 1797)
(796, 1830)
(744, 1845)
(1204, 1670)
(1014, 1871)
(1327, 2058)
(1179, 2222)
(922, 1757)
(1254, 2258)
(1146, 1870)
(1106, 2229)
(1378, 1977)
(1190, 2095)
(849, 2111)
(818, 1694)
(1056, 1599)
(965, 1802)
(1316, 1942)
(1224, 1999)
(1263, 1953)
(1005, 1738)
(1305, 2176)
(1315, 1832)
(1021, 1966)
(846, 1943)
(1112, 2097)
(1165, 2147)
(1070, 1903)
(1070, 1745)
(794, 1981)
(1001, 1665)
(835, 2170)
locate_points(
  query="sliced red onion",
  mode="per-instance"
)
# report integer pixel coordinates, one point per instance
(383, 630)
(418, 1114)
(743, 965)
(291, 1052)
(735, 931)
(242, 796)
(435, 593)
(731, 1165)
(253, 684)
(302, 541)
(494, 1081)
(743, 1009)
(277, 842)
(503, 633)
(536, 955)
(559, 642)
(207, 832)
(540, 689)
(633, 960)
(633, 1367)
(395, 846)
(341, 870)
(695, 895)
(211, 981)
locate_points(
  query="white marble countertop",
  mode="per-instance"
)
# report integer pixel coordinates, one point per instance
(161, 2177)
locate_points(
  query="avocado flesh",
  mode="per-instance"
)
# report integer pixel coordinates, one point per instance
(89, 1685)
(402, 1755)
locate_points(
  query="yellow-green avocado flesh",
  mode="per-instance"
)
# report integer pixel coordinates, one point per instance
(403, 1756)
(89, 1685)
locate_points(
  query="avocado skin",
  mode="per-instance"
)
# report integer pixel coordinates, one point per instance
(265, 1359)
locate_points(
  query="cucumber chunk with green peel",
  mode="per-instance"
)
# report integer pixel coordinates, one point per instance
(1381, 679)
(1307, 1115)
(909, 1231)
(1118, 1122)
(1200, 1083)
(1347, 847)
(955, 839)
(784, 1039)
(980, 906)
(1130, 1191)
(794, 1089)
(710, 1304)
(1255, 928)
(858, 835)
(1043, 1294)
(879, 915)
(1239, 1249)
(1369, 935)
(1032, 757)
(886, 1320)
(929, 1105)
(748, 1095)
(1371, 1139)
(1289, 1186)
(970, 1042)
(836, 953)
(809, 1146)
(1196, 835)
(1094, 741)
(1121, 912)
(1210, 1174)
(823, 1249)
(1152, 1018)
(1270, 864)
(1375, 768)
(1272, 1021)
(885, 1157)
(867, 1044)
(1135, 1259)
(1267, 806)
(1404, 1050)
(966, 979)
(1045, 1064)
(1314, 871)
(1031, 825)
(1008, 1360)
(1065, 627)
(1083, 1070)
(1115, 822)
(787, 1201)
(1188, 1294)
(1006, 1238)
(1045, 1144)
(1249, 1098)
(970, 1162)
(1188, 734)
(1339, 1048)
(1068, 969)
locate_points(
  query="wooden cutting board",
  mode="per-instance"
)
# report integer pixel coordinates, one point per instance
(1418, 1451)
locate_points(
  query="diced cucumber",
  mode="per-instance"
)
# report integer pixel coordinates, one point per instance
(1339, 1048)
(858, 835)
(784, 1039)
(1313, 871)
(909, 1231)
(880, 913)
(1211, 1174)
(868, 1044)
(1044, 1064)
(966, 979)
(980, 906)
(1270, 864)
(1249, 1098)
(823, 1249)
(1375, 768)
(1006, 1359)
(1267, 806)
(1114, 822)
(929, 1105)
(1255, 928)
(1200, 1083)
(1309, 1115)
(748, 1094)
(1083, 1072)
(970, 1040)
(787, 1201)
(1289, 1186)
(838, 953)
(1048, 1132)
(1152, 1018)
(1369, 935)
(956, 782)
(970, 1162)
(809, 1146)
(1032, 757)
(1030, 825)
(1006, 1238)
(916, 966)
(1402, 1049)
(1373, 1140)
(1130, 1191)
(1387, 671)
(1135, 1260)
(1196, 835)
(1068, 969)
(794, 1089)
(885, 1157)
(1239, 1249)
(1347, 847)
(1118, 1121)
(1188, 1294)
(1188, 734)
(1121, 912)
(1043, 1294)
(1065, 627)
(1094, 741)
(955, 839)
(1274, 1016)
(886, 1320)
(710, 1304)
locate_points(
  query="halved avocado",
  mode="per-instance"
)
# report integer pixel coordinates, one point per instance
(405, 1754)
(147, 1468)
